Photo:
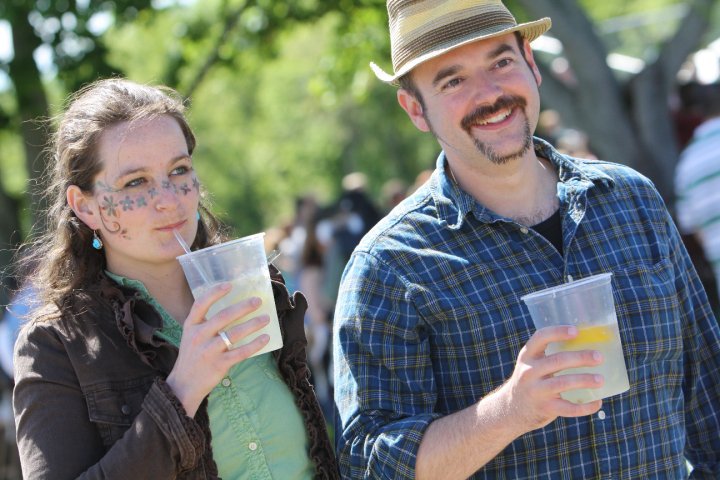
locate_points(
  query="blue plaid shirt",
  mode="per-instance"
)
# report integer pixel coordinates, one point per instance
(429, 320)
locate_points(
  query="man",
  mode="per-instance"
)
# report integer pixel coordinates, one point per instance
(440, 373)
(697, 181)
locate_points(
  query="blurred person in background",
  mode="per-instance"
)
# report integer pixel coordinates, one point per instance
(697, 180)
(574, 143)
(439, 369)
(311, 275)
(121, 373)
(342, 226)
(392, 193)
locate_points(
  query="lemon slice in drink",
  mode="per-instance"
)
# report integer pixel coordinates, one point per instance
(588, 336)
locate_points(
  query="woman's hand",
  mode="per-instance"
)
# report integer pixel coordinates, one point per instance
(204, 359)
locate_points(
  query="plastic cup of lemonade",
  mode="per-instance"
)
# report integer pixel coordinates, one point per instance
(243, 264)
(587, 304)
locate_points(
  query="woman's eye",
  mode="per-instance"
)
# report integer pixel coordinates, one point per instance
(180, 170)
(134, 183)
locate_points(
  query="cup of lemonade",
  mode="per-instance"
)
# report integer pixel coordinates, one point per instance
(243, 264)
(587, 304)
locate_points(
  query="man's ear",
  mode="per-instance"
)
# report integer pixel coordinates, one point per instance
(530, 59)
(413, 108)
(84, 207)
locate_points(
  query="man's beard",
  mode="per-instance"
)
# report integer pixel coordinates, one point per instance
(504, 102)
(507, 102)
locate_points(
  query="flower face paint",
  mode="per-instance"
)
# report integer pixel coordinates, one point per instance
(146, 189)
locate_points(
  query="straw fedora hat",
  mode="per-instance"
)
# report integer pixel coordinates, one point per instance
(423, 29)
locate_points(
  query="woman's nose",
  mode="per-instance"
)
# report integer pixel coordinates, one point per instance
(167, 197)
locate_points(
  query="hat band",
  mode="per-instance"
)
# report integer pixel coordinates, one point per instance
(447, 34)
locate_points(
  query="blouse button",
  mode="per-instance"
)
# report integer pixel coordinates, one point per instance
(252, 446)
(226, 382)
(125, 409)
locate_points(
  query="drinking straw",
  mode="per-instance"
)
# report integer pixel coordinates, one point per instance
(273, 255)
(186, 247)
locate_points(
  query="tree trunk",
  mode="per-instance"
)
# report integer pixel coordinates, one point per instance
(636, 130)
(9, 239)
(33, 108)
(650, 91)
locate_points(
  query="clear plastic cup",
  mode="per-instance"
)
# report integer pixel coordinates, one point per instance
(587, 304)
(243, 264)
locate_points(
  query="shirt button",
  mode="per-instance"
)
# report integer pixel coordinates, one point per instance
(524, 230)
(125, 409)
(601, 415)
(252, 446)
(226, 382)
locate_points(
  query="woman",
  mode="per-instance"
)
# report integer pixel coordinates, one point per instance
(121, 375)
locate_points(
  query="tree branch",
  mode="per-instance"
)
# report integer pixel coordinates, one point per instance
(231, 21)
(686, 39)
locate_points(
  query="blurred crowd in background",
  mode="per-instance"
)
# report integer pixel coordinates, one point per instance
(314, 248)
(316, 244)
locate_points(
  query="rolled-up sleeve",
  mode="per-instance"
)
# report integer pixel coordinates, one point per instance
(384, 385)
(56, 438)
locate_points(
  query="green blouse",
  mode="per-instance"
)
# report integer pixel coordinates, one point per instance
(251, 438)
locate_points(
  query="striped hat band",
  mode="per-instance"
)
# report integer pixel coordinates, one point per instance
(423, 29)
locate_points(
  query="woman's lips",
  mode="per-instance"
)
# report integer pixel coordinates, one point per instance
(173, 226)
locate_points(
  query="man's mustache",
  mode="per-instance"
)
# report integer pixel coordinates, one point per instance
(480, 113)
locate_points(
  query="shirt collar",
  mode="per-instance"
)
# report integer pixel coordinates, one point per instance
(171, 330)
(129, 282)
(454, 204)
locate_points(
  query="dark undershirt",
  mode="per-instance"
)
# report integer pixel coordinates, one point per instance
(551, 229)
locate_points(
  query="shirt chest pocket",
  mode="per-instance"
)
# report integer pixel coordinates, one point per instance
(648, 312)
(113, 406)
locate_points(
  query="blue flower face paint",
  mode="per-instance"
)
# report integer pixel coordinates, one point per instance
(145, 191)
(140, 191)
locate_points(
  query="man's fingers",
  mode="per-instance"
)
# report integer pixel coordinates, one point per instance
(574, 381)
(569, 409)
(535, 347)
(559, 361)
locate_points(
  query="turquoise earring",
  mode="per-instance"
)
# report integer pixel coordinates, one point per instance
(197, 215)
(96, 242)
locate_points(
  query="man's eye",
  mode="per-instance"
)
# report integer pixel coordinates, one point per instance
(452, 83)
(504, 62)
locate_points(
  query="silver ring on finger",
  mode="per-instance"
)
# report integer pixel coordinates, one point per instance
(226, 339)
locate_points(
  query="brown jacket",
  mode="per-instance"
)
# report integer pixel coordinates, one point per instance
(91, 402)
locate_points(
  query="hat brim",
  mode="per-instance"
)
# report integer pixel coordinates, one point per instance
(529, 30)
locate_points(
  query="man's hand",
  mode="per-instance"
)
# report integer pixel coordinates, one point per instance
(459, 444)
(533, 392)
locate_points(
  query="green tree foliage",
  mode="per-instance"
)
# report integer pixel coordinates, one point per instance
(283, 101)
